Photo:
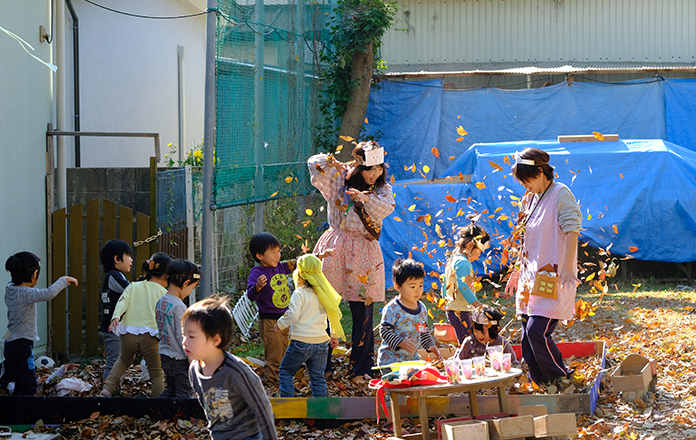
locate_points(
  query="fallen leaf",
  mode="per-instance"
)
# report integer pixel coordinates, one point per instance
(598, 135)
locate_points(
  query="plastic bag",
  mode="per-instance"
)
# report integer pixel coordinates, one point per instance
(72, 384)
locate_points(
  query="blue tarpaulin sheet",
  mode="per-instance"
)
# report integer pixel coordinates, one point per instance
(412, 118)
(633, 194)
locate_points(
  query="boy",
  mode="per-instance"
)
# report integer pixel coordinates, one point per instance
(21, 297)
(268, 286)
(404, 323)
(116, 258)
(231, 394)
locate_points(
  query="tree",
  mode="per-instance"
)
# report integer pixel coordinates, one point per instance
(355, 39)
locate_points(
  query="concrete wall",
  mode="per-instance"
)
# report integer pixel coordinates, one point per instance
(129, 187)
(26, 96)
(129, 79)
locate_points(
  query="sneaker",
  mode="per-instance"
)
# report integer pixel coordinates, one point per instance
(104, 393)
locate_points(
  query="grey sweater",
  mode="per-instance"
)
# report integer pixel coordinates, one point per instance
(21, 308)
(168, 312)
(234, 401)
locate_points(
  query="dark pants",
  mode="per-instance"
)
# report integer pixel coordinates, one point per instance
(539, 349)
(362, 353)
(461, 321)
(19, 359)
(176, 381)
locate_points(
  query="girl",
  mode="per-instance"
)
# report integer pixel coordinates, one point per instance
(314, 298)
(358, 198)
(551, 223)
(485, 328)
(459, 279)
(134, 321)
(183, 277)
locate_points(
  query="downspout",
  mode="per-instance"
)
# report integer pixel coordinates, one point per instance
(76, 77)
(61, 125)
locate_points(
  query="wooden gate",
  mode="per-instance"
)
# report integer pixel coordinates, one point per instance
(77, 236)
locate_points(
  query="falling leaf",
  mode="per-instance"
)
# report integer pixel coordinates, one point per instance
(480, 185)
(306, 223)
(459, 116)
(411, 208)
(461, 131)
(274, 194)
(497, 209)
(599, 136)
(426, 169)
(427, 219)
(309, 211)
(438, 230)
(347, 138)
(288, 179)
(366, 120)
(397, 219)
(339, 148)
(430, 314)
(435, 152)
(495, 165)
(413, 168)
(620, 174)
(616, 230)
(450, 198)
(391, 179)
(632, 249)
(451, 157)
(460, 212)
(363, 278)
(589, 216)
(298, 236)
(506, 159)
(461, 176)
(434, 285)
(459, 139)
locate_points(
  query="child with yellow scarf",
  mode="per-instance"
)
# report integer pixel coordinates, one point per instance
(312, 302)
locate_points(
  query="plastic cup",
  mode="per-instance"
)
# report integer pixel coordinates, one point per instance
(495, 354)
(453, 370)
(479, 363)
(507, 362)
(467, 368)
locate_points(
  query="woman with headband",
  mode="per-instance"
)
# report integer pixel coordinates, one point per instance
(359, 198)
(545, 276)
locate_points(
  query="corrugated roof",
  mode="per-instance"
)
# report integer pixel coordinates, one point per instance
(534, 68)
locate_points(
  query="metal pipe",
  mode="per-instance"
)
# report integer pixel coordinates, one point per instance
(259, 153)
(61, 166)
(182, 102)
(76, 76)
(208, 158)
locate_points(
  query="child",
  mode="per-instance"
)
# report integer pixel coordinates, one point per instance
(134, 321)
(116, 258)
(486, 325)
(405, 319)
(183, 276)
(21, 297)
(229, 391)
(459, 278)
(268, 286)
(314, 298)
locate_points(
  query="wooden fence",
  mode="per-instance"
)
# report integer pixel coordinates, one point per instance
(77, 237)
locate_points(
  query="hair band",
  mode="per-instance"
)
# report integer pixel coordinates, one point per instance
(196, 276)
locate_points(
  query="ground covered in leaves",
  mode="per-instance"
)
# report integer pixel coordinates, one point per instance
(656, 321)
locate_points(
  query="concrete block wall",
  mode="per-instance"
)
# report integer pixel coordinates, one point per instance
(129, 187)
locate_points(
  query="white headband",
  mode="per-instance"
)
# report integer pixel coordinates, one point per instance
(520, 161)
(374, 154)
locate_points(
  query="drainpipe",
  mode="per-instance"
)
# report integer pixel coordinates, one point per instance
(61, 181)
(76, 77)
(182, 102)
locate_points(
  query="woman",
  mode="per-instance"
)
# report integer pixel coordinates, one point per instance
(551, 222)
(358, 198)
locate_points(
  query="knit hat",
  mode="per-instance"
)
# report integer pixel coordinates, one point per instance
(309, 269)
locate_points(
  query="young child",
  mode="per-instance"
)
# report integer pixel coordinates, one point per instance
(459, 279)
(134, 321)
(313, 300)
(116, 258)
(404, 323)
(485, 328)
(21, 296)
(183, 276)
(268, 286)
(229, 391)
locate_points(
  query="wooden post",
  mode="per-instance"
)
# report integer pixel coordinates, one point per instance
(109, 222)
(92, 283)
(153, 204)
(142, 232)
(75, 271)
(58, 270)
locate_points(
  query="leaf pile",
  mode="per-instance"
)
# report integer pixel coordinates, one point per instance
(127, 428)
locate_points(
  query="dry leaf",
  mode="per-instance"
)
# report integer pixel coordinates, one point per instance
(435, 152)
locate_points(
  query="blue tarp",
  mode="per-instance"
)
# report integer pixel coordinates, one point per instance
(646, 189)
(410, 118)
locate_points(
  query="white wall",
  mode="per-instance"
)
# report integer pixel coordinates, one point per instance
(129, 80)
(25, 110)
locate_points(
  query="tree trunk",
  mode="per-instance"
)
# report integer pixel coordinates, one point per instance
(357, 106)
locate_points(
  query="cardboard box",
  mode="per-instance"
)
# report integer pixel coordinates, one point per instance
(632, 377)
(511, 428)
(555, 425)
(532, 410)
(465, 430)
